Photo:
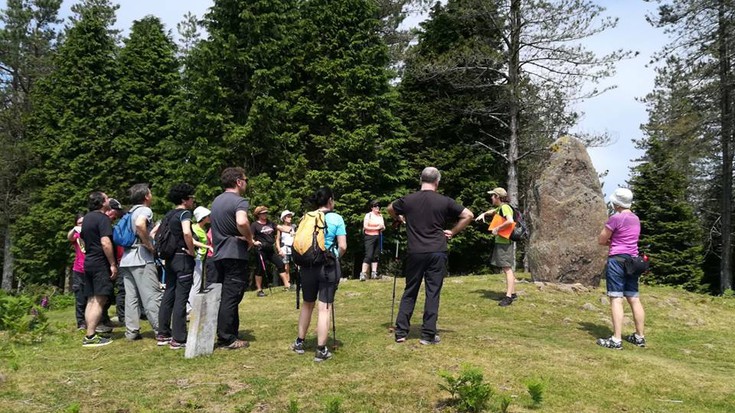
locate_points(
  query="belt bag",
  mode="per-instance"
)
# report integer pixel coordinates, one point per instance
(634, 266)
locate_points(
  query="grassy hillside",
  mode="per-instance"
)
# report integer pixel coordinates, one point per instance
(547, 335)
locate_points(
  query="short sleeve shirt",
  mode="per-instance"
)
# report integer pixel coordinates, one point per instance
(96, 225)
(78, 252)
(138, 255)
(265, 233)
(427, 213)
(626, 229)
(224, 227)
(335, 227)
(506, 212)
(200, 235)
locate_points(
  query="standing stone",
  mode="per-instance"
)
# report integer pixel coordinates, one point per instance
(566, 214)
(203, 322)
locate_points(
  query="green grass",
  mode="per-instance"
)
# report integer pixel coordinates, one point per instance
(687, 367)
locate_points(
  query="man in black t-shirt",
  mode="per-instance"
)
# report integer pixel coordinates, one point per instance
(231, 238)
(264, 234)
(100, 265)
(426, 214)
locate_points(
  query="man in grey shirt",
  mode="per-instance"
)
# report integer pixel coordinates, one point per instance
(138, 268)
(231, 238)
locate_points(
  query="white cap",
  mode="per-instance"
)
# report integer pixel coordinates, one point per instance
(284, 213)
(200, 213)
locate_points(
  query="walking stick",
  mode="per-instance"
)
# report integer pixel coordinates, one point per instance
(393, 304)
(262, 263)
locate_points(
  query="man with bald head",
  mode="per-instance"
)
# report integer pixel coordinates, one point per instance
(426, 214)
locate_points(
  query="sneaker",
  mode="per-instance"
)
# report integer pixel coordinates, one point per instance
(133, 337)
(292, 287)
(506, 301)
(374, 276)
(261, 293)
(95, 341)
(610, 343)
(435, 340)
(400, 339)
(322, 355)
(297, 347)
(363, 276)
(104, 329)
(82, 327)
(175, 345)
(635, 339)
(235, 345)
(514, 296)
(162, 340)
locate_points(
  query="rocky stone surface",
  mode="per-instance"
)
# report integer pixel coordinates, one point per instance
(566, 212)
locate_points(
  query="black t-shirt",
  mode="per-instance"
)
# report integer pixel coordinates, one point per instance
(224, 227)
(266, 234)
(176, 218)
(95, 226)
(427, 213)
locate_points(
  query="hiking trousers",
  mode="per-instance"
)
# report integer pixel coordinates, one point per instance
(233, 275)
(432, 267)
(142, 292)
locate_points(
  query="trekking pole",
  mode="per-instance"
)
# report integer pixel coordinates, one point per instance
(393, 304)
(334, 330)
(262, 264)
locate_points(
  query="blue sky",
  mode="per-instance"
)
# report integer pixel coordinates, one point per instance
(616, 112)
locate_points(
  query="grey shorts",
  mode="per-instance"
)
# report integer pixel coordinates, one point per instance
(503, 255)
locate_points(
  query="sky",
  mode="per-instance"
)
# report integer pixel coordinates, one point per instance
(616, 112)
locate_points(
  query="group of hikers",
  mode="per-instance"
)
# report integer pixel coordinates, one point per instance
(180, 246)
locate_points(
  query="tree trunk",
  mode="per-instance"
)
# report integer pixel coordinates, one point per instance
(726, 137)
(514, 106)
(8, 261)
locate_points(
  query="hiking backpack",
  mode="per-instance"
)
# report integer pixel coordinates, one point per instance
(308, 244)
(123, 234)
(164, 240)
(520, 232)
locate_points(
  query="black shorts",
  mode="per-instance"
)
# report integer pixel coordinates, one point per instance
(322, 280)
(266, 255)
(97, 282)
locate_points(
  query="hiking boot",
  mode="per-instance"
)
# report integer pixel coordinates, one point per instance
(506, 301)
(636, 339)
(435, 340)
(610, 343)
(363, 276)
(175, 345)
(322, 355)
(95, 341)
(261, 293)
(103, 329)
(162, 340)
(297, 347)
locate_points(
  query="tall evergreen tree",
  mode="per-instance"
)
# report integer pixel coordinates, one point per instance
(72, 129)
(150, 95)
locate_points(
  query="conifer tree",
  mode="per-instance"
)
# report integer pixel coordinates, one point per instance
(72, 131)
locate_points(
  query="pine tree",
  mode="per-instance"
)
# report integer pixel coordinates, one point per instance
(72, 131)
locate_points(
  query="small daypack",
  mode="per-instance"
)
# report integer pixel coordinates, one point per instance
(164, 240)
(308, 245)
(520, 232)
(123, 234)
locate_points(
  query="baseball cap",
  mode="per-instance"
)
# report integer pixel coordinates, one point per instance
(499, 192)
(200, 213)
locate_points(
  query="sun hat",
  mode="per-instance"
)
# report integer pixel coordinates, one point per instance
(115, 204)
(260, 209)
(200, 213)
(284, 213)
(622, 197)
(499, 192)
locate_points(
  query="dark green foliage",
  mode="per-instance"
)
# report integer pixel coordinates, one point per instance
(24, 320)
(468, 389)
(446, 120)
(536, 389)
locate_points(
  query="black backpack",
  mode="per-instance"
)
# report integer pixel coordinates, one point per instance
(164, 240)
(520, 232)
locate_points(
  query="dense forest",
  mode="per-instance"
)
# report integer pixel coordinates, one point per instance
(304, 93)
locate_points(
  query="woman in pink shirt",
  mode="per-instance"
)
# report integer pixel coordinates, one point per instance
(621, 234)
(77, 270)
(372, 226)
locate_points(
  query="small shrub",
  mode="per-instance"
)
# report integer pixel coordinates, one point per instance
(536, 388)
(74, 407)
(293, 406)
(24, 321)
(469, 391)
(333, 405)
(505, 401)
(62, 301)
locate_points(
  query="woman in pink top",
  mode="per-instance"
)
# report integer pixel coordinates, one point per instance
(77, 282)
(621, 234)
(372, 226)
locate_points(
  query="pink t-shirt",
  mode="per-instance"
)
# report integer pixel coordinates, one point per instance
(79, 251)
(626, 229)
